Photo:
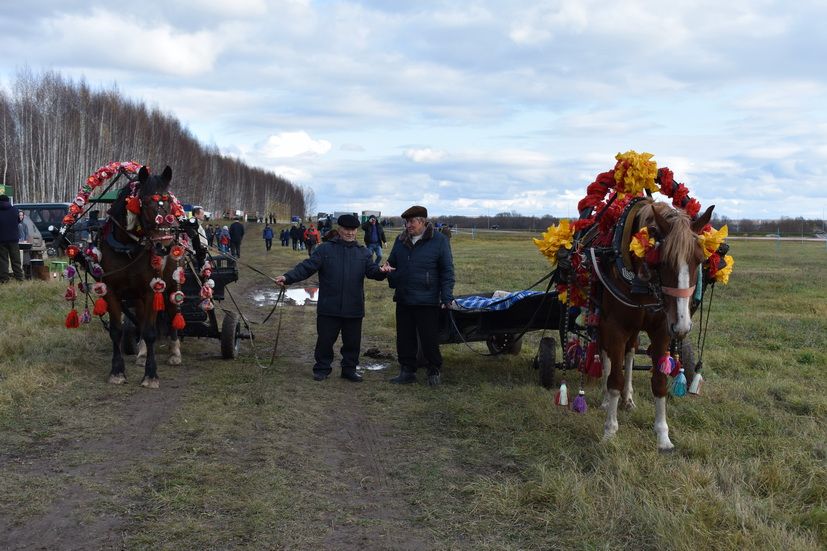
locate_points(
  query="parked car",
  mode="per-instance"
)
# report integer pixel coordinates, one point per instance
(48, 218)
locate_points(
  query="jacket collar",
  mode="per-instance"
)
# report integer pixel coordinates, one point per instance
(427, 234)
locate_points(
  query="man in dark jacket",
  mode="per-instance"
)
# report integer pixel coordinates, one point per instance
(236, 235)
(343, 265)
(374, 237)
(421, 270)
(9, 241)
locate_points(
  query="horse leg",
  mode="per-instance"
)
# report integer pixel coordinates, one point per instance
(140, 357)
(614, 385)
(659, 384)
(607, 368)
(629, 369)
(117, 375)
(174, 341)
(149, 334)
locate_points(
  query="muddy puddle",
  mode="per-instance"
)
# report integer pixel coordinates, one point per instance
(307, 296)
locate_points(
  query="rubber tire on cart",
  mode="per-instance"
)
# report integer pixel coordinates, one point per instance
(504, 343)
(129, 338)
(230, 336)
(546, 361)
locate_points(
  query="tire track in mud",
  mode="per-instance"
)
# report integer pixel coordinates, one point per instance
(362, 455)
(74, 519)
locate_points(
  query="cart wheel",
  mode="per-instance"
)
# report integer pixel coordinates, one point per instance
(129, 338)
(230, 336)
(546, 361)
(688, 361)
(504, 343)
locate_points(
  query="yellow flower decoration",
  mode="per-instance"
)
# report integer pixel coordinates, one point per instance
(554, 238)
(712, 239)
(722, 275)
(635, 172)
(641, 243)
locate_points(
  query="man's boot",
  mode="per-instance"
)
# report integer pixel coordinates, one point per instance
(404, 378)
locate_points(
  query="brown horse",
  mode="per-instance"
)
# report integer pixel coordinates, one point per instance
(663, 315)
(135, 250)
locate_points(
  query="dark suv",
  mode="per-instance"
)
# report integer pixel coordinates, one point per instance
(50, 215)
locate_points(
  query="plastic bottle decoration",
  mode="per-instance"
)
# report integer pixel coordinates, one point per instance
(561, 398)
(679, 385)
(85, 317)
(579, 404)
(697, 382)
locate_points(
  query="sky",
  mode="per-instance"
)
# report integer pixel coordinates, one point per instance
(468, 108)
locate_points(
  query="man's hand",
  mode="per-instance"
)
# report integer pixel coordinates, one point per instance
(386, 268)
(280, 280)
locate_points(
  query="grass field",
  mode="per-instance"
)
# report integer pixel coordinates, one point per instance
(227, 455)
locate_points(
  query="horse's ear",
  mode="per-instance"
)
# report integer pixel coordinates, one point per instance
(703, 220)
(143, 175)
(166, 175)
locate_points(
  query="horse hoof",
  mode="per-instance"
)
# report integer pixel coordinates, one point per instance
(666, 450)
(117, 379)
(151, 383)
(140, 362)
(174, 360)
(629, 404)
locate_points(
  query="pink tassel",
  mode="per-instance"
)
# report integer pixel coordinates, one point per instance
(666, 364)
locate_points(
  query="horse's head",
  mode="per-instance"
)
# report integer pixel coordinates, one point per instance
(158, 216)
(680, 255)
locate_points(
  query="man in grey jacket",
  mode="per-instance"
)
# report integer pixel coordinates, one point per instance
(342, 265)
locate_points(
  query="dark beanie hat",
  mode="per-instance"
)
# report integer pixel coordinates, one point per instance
(348, 221)
(415, 212)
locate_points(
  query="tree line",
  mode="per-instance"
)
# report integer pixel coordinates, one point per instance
(55, 132)
(798, 226)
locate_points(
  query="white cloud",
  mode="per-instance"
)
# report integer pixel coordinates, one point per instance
(293, 144)
(424, 155)
(124, 41)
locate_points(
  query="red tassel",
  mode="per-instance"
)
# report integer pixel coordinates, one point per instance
(158, 302)
(100, 307)
(178, 322)
(72, 319)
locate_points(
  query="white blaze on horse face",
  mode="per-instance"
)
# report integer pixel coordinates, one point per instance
(684, 321)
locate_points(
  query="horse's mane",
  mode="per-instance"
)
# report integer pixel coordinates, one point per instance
(682, 243)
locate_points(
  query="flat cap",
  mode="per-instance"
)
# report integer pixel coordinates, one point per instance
(415, 212)
(348, 221)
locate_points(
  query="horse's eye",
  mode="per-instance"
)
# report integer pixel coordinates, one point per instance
(159, 219)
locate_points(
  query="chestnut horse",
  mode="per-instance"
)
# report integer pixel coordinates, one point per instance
(129, 241)
(663, 314)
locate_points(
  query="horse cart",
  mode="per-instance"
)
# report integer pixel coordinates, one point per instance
(501, 319)
(199, 322)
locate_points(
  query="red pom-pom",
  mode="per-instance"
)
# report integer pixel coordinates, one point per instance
(178, 322)
(158, 302)
(72, 319)
(100, 307)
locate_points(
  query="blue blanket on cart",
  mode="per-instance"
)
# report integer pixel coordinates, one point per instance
(494, 303)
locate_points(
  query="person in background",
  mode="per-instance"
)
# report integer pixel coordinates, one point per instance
(9, 241)
(420, 269)
(210, 232)
(374, 237)
(311, 238)
(342, 265)
(301, 231)
(224, 239)
(236, 235)
(267, 235)
(295, 236)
